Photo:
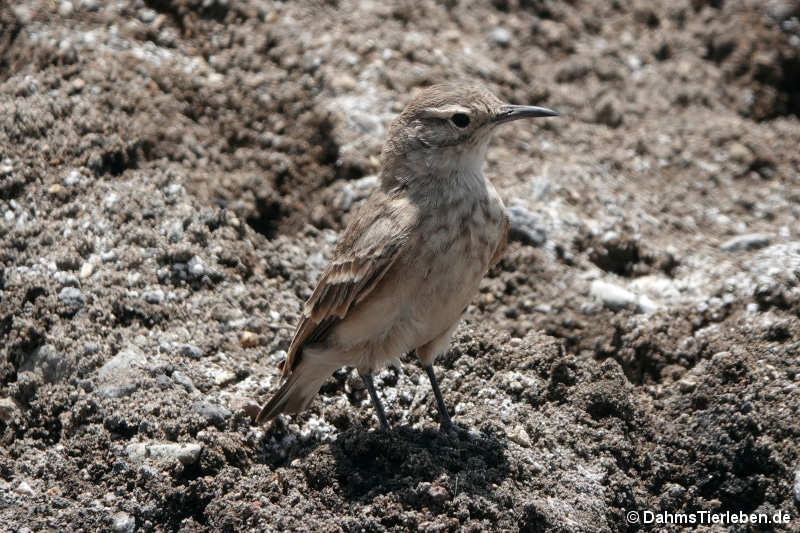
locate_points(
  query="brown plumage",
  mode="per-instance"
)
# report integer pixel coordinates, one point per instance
(412, 257)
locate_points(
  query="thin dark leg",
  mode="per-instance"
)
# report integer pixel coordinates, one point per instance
(376, 402)
(444, 417)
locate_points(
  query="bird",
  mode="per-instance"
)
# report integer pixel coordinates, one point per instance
(413, 254)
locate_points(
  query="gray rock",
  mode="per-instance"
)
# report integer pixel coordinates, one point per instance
(107, 257)
(355, 191)
(614, 296)
(750, 241)
(211, 413)
(153, 297)
(73, 178)
(525, 227)
(501, 36)
(25, 488)
(71, 297)
(119, 376)
(53, 365)
(175, 231)
(797, 486)
(196, 267)
(122, 522)
(190, 350)
(520, 436)
(8, 409)
(186, 452)
(183, 380)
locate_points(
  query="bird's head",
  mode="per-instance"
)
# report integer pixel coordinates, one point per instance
(449, 126)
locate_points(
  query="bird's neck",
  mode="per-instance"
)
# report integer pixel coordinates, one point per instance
(440, 176)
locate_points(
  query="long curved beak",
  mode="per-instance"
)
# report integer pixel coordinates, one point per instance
(513, 112)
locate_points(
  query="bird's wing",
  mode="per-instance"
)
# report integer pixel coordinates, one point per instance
(501, 246)
(366, 251)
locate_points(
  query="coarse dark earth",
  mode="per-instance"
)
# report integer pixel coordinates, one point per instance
(174, 174)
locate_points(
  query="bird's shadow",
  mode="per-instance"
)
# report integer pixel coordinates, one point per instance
(424, 466)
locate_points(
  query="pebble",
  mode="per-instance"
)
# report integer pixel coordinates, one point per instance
(52, 363)
(153, 297)
(65, 8)
(147, 16)
(73, 178)
(67, 279)
(175, 231)
(122, 522)
(183, 380)
(750, 241)
(355, 191)
(720, 357)
(222, 376)
(196, 267)
(213, 414)
(120, 374)
(797, 486)
(501, 36)
(739, 153)
(190, 350)
(108, 256)
(248, 339)
(25, 488)
(613, 296)
(71, 297)
(525, 227)
(8, 409)
(186, 452)
(520, 436)
(86, 270)
(687, 385)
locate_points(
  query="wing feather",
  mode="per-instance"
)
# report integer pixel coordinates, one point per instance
(367, 250)
(501, 246)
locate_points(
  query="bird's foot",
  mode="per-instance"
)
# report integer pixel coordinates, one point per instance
(449, 428)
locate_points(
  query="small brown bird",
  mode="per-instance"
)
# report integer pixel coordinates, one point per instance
(414, 253)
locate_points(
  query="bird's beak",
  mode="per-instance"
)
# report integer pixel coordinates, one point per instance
(513, 112)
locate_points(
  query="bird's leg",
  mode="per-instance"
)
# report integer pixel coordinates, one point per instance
(376, 402)
(445, 424)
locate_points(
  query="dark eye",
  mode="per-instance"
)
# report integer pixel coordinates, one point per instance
(460, 119)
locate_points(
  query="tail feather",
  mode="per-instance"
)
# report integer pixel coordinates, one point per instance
(296, 393)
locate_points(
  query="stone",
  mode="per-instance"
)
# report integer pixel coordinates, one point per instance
(53, 365)
(613, 296)
(750, 241)
(186, 452)
(153, 297)
(119, 376)
(248, 339)
(501, 36)
(520, 436)
(122, 522)
(8, 409)
(525, 227)
(71, 297)
(196, 267)
(211, 413)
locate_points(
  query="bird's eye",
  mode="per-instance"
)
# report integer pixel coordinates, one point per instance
(460, 119)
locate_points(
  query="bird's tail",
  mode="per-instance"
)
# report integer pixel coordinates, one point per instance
(297, 392)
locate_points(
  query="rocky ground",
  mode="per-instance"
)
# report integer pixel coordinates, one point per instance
(173, 175)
